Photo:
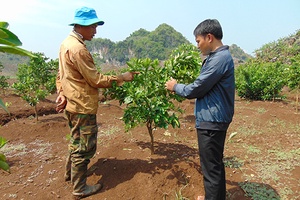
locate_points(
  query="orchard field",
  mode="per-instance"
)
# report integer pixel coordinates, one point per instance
(262, 154)
(262, 151)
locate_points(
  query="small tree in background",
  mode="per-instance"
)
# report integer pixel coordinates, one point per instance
(292, 76)
(260, 81)
(35, 80)
(148, 102)
(3, 80)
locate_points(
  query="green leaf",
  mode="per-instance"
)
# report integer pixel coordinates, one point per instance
(3, 34)
(15, 50)
(2, 141)
(4, 25)
(4, 166)
(9, 38)
(2, 105)
(2, 157)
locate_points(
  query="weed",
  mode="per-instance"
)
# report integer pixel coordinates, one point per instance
(248, 129)
(261, 110)
(107, 133)
(253, 150)
(110, 131)
(178, 194)
(259, 191)
(285, 192)
(232, 162)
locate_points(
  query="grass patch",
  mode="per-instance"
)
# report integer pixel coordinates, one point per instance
(261, 110)
(253, 150)
(248, 129)
(107, 134)
(110, 131)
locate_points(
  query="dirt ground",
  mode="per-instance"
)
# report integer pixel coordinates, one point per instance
(36, 152)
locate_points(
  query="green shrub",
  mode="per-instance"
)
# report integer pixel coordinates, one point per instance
(3, 80)
(292, 73)
(260, 81)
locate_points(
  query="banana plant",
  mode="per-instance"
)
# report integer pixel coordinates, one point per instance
(9, 43)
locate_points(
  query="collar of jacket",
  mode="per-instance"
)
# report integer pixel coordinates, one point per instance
(221, 48)
(77, 37)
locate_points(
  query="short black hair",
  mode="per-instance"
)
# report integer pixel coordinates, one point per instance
(211, 26)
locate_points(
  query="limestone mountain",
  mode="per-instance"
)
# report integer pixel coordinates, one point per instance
(156, 44)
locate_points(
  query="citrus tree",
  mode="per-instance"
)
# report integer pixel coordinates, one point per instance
(3, 80)
(260, 81)
(147, 101)
(35, 80)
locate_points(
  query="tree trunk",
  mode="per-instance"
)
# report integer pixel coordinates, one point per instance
(36, 113)
(297, 101)
(149, 127)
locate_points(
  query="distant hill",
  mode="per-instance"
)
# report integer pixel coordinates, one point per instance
(281, 50)
(157, 44)
(10, 63)
(238, 54)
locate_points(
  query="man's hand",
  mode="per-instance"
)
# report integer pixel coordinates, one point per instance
(61, 103)
(170, 84)
(128, 76)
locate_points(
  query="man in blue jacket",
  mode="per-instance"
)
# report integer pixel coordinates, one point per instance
(214, 91)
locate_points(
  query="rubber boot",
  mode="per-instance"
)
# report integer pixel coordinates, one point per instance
(80, 188)
(88, 190)
(68, 168)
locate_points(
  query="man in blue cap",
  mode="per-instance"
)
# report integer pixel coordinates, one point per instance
(77, 86)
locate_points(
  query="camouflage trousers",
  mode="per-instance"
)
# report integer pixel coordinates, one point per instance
(82, 147)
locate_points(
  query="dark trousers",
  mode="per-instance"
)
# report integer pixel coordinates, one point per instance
(211, 148)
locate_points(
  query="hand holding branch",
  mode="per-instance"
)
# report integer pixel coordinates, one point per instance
(170, 84)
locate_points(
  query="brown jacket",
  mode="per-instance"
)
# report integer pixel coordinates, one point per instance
(78, 78)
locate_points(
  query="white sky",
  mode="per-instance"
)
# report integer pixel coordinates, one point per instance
(42, 25)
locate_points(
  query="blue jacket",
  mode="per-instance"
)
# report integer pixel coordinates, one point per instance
(214, 90)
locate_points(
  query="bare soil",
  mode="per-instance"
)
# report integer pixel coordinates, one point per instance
(36, 153)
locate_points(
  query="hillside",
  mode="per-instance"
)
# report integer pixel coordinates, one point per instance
(157, 44)
(10, 63)
(281, 50)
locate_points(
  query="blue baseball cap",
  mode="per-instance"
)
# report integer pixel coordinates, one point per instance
(85, 16)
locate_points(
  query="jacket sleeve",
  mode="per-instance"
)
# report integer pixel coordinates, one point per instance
(210, 74)
(58, 83)
(87, 69)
